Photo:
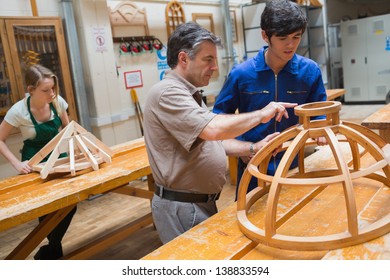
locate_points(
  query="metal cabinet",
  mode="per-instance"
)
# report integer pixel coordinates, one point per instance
(31, 40)
(314, 40)
(366, 58)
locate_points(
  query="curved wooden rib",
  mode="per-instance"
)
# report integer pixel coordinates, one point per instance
(355, 152)
(379, 141)
(266, 151)
(377, 153)
(349, 194)
(273, 196)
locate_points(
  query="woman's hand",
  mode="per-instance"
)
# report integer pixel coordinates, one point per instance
(23, 167)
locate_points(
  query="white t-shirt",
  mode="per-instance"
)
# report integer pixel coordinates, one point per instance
(18, 116)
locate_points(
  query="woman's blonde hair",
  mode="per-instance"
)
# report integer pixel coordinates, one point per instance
(35, 74)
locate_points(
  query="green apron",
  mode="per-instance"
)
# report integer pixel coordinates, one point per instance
(45, 132)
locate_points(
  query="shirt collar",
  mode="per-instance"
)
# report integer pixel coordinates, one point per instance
(260, 65)
(171, 74)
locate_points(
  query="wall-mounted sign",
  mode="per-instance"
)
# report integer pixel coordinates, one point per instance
(162, 64)
(133, 79)
(99, 36)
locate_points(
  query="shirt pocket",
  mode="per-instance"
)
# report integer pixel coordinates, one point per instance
(299, 96)
(257, 92)
(255, 99)
(297, 92)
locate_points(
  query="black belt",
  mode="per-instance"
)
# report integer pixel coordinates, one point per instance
(186, 197)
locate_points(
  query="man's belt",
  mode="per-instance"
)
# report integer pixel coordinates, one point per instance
(185, 197)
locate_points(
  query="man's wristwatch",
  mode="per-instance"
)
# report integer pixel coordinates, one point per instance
(252, 149)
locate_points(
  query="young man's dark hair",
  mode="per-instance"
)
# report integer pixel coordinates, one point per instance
(282, 17)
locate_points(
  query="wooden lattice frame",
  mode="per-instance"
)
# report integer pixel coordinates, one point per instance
(128, 14)
(83, 148)
(174, 15)
(300, 136)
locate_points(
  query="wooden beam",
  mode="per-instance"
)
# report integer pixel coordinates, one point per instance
(34, 8)
(110, 239)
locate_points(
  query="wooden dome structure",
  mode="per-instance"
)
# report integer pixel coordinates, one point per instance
(267, 228)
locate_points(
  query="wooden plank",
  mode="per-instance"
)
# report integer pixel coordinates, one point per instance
(379, 120)
(334, 93)
(133, 191)
(233, 162)
(377, 249)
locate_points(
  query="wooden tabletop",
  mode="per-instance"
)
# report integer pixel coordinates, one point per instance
(380, 120)
(27, 197)
(220, 237)
(334, 93)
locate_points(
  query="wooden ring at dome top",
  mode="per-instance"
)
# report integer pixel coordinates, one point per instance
(317, 108)
(330, 109)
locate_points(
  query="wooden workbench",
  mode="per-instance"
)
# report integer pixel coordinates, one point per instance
(220, 238)
(27, 197)
(331, 94)
(380, 120)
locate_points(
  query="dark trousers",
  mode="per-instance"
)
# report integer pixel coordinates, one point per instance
(53, 250)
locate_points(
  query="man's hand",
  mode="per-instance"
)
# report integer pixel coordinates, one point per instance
(259, 145)
(321, 141)
(277, 110)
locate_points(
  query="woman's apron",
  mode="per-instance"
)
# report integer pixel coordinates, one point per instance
(45, 132)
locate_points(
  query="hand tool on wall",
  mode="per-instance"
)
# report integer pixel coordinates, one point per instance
(19, 39)
(49, 49)
(43, 41)
(138, 109)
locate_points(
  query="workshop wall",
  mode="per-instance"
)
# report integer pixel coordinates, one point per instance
(112, 112)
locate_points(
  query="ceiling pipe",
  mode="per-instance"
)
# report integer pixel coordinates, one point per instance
(228, 35)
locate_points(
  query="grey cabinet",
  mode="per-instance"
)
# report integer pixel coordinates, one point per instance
(366, 58)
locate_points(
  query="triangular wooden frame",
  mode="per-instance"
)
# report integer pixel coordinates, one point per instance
(83, 148)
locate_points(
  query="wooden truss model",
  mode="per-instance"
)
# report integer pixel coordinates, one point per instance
(266, 226)
(83, 148)
(127, 14)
